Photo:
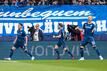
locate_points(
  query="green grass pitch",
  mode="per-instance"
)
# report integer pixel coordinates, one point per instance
(53, 65)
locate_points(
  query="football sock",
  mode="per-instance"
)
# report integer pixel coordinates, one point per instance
(82, 52)
(97, 51)
(69, 53)
(57, 52)
(28, 53)
(11, 53)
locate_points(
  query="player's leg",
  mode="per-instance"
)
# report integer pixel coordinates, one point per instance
(67, 50)
(82, 52)
(63, 43)
(92, 42)
(56, 50)
(28, 53)
(82, 45)
(11, 53)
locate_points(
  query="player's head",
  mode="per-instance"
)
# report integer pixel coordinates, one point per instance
(60, 25)
(90, 18)
(37, 26)
(20, 26)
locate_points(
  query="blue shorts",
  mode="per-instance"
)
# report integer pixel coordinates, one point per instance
(87, 40)
(61, 43)
(17, 45)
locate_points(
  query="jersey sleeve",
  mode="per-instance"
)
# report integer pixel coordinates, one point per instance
(24, 34)
(93, 26)
(59, 33)
(84, 26)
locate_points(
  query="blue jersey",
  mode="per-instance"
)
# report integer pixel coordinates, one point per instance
(61, 41)
(88, 29)
(21, 36)
(61, 32)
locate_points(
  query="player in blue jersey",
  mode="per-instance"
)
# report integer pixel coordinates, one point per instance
(21, 41)
(88, 29)
(61, 42)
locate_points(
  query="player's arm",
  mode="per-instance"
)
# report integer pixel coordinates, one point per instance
(58, 36)
(77, 28)
(15, 40)
(93, 29)
(82, 30)
(26, 40)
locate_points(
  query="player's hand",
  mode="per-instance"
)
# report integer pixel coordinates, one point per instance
(54, 36)
(25, 44)
(92, 31)
(77, 28)
(14, 42)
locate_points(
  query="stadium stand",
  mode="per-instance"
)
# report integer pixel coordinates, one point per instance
(52, 2)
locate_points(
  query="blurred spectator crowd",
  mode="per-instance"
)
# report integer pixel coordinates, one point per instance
(52, 2)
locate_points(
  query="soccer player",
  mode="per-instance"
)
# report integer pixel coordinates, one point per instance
(61, 42)
(21, 41)
(88, 29)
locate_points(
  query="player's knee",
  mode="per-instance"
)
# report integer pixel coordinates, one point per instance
(13, 48)
(56, 47)
(25, 50)
(65, 49)
(94, 46)
(81, 46)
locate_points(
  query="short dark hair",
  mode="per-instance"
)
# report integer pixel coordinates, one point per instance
(60, 24)
(21, 24)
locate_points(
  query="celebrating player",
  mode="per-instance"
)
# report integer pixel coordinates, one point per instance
(21, 41)
(61, 41)
(89, 38)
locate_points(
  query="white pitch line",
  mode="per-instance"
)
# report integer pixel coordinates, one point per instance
(6, 61)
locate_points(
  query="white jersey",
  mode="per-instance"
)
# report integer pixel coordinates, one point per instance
(36, 36)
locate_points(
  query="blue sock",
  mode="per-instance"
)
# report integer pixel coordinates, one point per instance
(82, 52)
(28, 53)
(11, 53)
(97, 51)
(57, 52)
(69, 53)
